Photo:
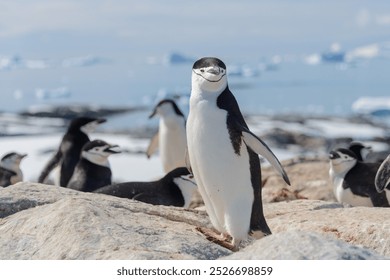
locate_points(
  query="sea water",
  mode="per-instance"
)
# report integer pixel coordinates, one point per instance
(281, 88)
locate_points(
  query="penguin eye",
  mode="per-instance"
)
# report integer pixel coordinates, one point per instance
(202, 70)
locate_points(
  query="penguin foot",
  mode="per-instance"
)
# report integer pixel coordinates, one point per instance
(257, 234)
(221, 239)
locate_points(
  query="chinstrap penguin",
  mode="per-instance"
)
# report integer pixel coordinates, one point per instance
(93, 169)
(68, 153)
(366, 153)
(223, 155)
(10, 172)
(171, 136)
(354, 181)
(382, 178)
(361, 151)
(174, 189)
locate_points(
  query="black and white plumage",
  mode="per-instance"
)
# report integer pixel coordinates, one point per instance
(223, 155)
(68, 153)
(10, 172)
(93, 169)
(174, 189)
(366, 153)
(361, 151)
(354, 181)
(171, 136)
(382, 178)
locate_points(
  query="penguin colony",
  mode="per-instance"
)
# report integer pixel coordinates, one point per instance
(213, 152)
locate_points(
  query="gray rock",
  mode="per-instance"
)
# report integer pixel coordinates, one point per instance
(57, 223)
(47, 222)
(309, 179)
(365, 226)
(298, 245)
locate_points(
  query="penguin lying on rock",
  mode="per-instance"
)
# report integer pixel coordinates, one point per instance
(174, 189)
(10, 172)
(354, 181)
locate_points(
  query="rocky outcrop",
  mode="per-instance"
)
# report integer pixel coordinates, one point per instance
(362, 226)
(309, 180)
(300, 245)
(47, 222)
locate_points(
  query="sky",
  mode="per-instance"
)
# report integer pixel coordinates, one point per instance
(86, 49)
(61, 28)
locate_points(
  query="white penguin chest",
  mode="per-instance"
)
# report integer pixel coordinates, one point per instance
(222, 176)
(172, 142)
(211, 151)
(172, 133)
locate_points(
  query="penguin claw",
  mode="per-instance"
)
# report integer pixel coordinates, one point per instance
(221, 239)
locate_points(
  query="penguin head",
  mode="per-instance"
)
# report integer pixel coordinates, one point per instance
(359, 149)
(342, 160)
(85, 124)
(209, 75)
(98, 151)
(166, 107)
(11, 161)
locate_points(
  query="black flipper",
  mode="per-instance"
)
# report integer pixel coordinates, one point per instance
(54, 161)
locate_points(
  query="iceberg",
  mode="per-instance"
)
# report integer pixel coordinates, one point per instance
(177, 58)
(334, 55)
(61, 92)
(8, 63)
(375, 106)
(82, 61)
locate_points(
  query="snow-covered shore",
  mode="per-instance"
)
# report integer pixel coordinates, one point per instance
(288, 137)
(130, 165)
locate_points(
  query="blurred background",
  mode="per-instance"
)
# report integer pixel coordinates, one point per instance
(302, 57)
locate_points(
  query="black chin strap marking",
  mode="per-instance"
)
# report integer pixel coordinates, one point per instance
(208, 79)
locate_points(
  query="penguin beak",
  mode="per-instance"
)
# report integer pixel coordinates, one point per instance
(333, 155)
(113, 149)
(214, 70)
(22, 156)
(99, 121)
(153, 113)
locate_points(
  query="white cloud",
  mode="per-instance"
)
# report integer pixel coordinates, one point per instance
(363, 18)
(171, 17)
(383, 19)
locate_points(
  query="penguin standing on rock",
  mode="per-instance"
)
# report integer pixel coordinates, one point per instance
(171, 136)
(10, 172)
(174, 189)
(93, 169)
(223, 155)
(68, 154)
(354, 181)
